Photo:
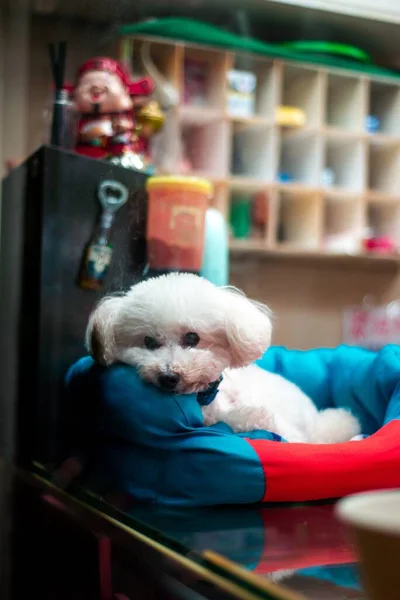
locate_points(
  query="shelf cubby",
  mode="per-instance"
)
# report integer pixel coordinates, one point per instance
(343, 224)
(249, 214)
(166, 145)
(299, 220)
(384, 219)
(253, 151)
(166, 57)
(207, 148)
(384, 168)
(384, 103)
(346, 102)
(302, 88)
(204, 76)
(346, 158)
(266, 90)
(300, 157)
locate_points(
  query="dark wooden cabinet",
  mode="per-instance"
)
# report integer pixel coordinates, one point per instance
(50, 208)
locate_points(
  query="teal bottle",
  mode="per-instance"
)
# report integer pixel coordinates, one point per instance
(215, 265)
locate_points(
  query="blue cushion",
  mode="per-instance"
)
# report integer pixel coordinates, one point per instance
(154, 446)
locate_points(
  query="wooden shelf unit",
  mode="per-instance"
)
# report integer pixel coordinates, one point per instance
(245, 155)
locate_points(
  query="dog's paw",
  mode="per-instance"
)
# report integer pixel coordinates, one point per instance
(249, 418)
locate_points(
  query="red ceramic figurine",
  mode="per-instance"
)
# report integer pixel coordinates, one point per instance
(104, 97)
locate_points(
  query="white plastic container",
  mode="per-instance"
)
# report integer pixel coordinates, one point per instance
(241, 93)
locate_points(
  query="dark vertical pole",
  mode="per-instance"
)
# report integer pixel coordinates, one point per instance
(57, 59)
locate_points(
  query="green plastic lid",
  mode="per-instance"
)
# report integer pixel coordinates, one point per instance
(331, 48)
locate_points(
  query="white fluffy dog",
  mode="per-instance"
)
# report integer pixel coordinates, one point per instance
(181, 333)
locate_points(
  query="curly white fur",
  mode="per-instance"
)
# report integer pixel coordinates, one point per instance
(233, 332)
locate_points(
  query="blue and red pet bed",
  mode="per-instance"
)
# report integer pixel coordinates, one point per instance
(154, 447)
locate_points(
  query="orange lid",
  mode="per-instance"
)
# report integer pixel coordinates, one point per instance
(195, 184)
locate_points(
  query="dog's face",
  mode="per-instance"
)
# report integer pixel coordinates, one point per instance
(180, 331)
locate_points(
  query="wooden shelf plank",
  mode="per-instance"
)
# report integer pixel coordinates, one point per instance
(199, 115)
(248, 184)
(254, 120)
(299, 189)
(378, 197)
(341, 134)
(383, 139)
(341, 194)
(258, 248)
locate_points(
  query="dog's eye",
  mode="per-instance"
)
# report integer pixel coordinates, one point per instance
(151, 343)
(190, 340)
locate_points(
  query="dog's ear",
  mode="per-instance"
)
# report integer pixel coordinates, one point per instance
(248, 327)
(100, 334)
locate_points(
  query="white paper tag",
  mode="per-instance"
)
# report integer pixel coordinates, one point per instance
(371, 327)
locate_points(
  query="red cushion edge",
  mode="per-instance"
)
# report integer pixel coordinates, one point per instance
(303, 472)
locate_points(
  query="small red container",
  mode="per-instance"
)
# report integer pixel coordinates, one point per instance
(176, 219)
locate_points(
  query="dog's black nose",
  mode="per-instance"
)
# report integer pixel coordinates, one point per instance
(168, 381)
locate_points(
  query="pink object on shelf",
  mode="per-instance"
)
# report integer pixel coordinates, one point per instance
(382, 245)
(195, 83)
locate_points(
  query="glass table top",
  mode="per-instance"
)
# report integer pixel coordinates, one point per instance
(303, 548)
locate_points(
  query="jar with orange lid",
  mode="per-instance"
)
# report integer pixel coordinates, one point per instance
(176, 222)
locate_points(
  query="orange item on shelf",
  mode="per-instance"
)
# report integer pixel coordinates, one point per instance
(176, 222)
(260, 209)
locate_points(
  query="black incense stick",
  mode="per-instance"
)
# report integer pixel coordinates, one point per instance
(57, 54)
